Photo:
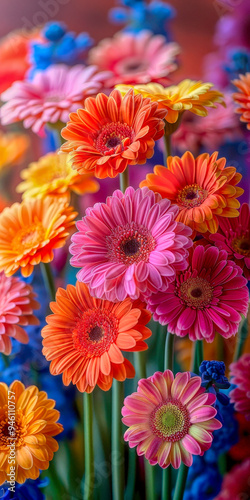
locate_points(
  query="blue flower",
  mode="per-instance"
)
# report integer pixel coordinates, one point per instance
(227, 436)
(203, 482)
(30, 490)
(213, 373)
(239, 63)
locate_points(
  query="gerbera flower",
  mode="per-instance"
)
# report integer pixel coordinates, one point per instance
(202, 187)
(243, 98)
(130, 246)
(12, 148)
(50, 96)
(111, 133)
(30, 231)
(170, 419)
(135, 58)
(208, 297)
(236, 483)
(187, 95)
(17, 301)
(85, 336)
(234, 236)
(52, 175)
(35, 426)
(240, 396)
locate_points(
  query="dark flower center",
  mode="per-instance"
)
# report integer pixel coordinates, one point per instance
(96, 334)
(196, 292)
(130, 247)
(130, 244)
(191, 196)
(242, 245)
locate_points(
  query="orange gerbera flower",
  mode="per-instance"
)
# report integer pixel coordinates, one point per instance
(111, 132)
(53, 175)
(12, 148)
(85, 336)
(243, 98)
(28, 446)
(202, 188)
(30, 231)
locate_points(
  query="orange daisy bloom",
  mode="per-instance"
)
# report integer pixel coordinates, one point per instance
(12, 148)
(85, 336)
(202, 187)
(30, 231)
(112, 132)
(243, 98)
(32, 446)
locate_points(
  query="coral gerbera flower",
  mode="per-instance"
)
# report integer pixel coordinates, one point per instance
(236, 484)
(202, 187)
(243, 98)
(170, 419)
(50, 96)
(240, 396)
(52, 175)
(234, 237)
(17, 301)
(85, 336)
(12, 148)
(208, 297)
(29, 444)
(135, 58)
(111, 133)
(130, 246)
(30, 231)
(187, 95)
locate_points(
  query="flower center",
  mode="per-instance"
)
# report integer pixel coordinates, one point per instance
(17, 433)
(94, 332)
(170, 420)
(114, 138)
(28, 237)
(191, 196)
(242, 246)
(196, 292)
(130, 244)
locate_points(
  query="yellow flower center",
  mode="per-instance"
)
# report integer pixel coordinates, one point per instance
(28, 237)
(242, 246)
(196, 292)
(191, 196)
(170, 420)
(12, 431)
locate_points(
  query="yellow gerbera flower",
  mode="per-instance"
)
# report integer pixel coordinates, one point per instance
(187, 95)
(12, 148)
(52, 175)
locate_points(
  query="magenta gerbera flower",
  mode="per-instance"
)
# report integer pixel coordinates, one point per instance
(234, 237)
(50, 96)
(236, 483)
(240, 396)
(208, 297)
(131, 245)
(170, 419)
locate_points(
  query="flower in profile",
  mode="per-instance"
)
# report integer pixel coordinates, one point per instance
(234, 236)
(12, 148)
(202, 187)
(243, 98)
(52, 175)
(111, 133)
(85, 336)
(130, 246)
(236, 484)
(170, 419)
(30, 231)
(240, 396)
(135, 58)
(50, 96)
(35, 426)
(187, 95)
(208, 297)
(17, 302)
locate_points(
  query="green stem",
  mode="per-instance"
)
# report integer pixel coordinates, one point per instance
(124, 180)
(168, 365)
(129, 493)
(241, 338)
(48, 279)
(6, 360)
(181, 482)
(167, 141)
(117, 442)
(197, 356)
(88, 446)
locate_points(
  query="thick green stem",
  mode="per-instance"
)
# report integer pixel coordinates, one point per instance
(197, 356)
(181, 482)
(88, 446)
(167, 141)
(124, 180)
(48, 279)
(129, 493)
(6, 360)
(117, 442)
(168, 365)
(241, 338)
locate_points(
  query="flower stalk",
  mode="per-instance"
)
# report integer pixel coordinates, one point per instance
(88, 446)
(117, 443)
(168, 365)
(48, 279)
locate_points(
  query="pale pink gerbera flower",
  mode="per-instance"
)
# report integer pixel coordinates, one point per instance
(16, 310)
(136, 58)
(240, 396)
(208, 297)
(170, 419)
(130, 246)
(236, 483)
(50, 96)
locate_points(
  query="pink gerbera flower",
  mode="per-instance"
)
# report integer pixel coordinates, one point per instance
(236, 484)
(136, 58)
(16, 310)
(170, 419)
(234, 237)
(240, 396)
(130, 246)
(50, 96)
(208, 297)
